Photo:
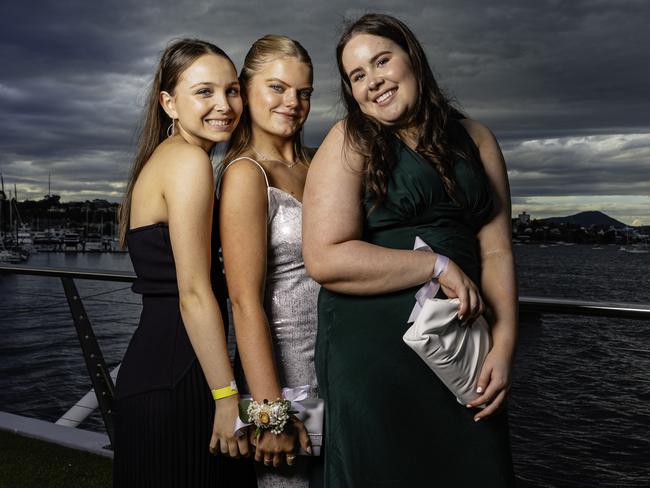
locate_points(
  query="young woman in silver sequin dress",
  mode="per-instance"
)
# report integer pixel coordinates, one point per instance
(274, 301)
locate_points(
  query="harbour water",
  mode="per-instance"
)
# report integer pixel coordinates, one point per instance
(579, 405)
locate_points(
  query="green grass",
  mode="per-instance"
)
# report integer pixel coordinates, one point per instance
(30, 463)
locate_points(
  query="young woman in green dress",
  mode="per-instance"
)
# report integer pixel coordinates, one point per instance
(404, 163)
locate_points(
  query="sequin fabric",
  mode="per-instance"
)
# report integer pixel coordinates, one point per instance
(291, 296)
(290, 303)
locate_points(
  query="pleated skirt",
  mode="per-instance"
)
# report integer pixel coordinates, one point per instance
(162, 439)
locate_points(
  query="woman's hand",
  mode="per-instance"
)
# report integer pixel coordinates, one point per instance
(456, 284)
(273, 449)
(223, 439)
(493, 382)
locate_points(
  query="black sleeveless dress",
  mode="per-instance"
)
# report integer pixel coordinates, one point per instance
(164, 411)
(389, 421)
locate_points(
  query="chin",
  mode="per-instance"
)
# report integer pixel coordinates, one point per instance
(217, 138)
(285, 131)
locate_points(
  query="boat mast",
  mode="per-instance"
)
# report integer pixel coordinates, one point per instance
(18, 219)
(3, 197)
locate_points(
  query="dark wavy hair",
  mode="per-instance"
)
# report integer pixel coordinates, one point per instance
(177, 57)
(373, 140)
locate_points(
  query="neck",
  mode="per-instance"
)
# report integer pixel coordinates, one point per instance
(195, 141)
(410, 136)
(274, 147)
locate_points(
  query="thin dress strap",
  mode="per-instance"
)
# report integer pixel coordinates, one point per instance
(250, 159)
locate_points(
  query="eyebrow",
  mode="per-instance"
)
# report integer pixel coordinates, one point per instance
(209, 83)
(310, 87)
(372, 61)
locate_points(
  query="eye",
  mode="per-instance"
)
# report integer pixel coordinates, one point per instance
(382, 61)
(277, 88)
(204, 92)
(358, 77)
(232, 91)
(305, 94)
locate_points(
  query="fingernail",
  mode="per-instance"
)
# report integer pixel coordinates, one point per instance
(308, 449)
(477, 419)
(468, 406)
(479, 390)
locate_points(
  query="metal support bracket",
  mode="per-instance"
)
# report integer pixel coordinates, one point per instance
(97, 369)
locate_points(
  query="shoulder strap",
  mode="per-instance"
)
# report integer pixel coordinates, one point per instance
(252, 160)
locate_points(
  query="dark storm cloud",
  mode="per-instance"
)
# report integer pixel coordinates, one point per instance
(583, 165)
(75, 75)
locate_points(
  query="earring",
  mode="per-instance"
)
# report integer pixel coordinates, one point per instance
(170, 129)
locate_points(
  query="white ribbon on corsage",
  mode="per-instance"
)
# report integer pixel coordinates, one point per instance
(294, 395)
(431, 287)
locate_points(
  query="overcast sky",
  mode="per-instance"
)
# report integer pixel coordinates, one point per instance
(563, 84)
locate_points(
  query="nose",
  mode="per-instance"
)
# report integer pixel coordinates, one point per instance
(374, 81)
(291, 98)
(222, 104)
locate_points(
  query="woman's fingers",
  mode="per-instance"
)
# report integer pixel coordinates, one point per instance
(303, 438)
(233, 447)
(493, 407)
(212, 447)
(223, 446)
(463, 296)
(259, 455)
(243, 445)
(481, 309)
(277, 460)
(474, 305)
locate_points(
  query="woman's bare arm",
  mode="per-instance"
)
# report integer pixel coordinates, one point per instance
(498, 279)
(334, 253)
(243, 218)
(188, 190)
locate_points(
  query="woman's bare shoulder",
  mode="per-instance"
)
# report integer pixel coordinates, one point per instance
(479, 132)
(337, 147)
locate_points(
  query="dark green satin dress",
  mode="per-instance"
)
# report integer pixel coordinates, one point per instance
(390, 422)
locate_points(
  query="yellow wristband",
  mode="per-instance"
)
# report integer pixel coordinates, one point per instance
(226, 391)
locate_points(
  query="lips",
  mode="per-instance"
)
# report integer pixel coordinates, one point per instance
(219, 123)
(288, 115)
(385, 96)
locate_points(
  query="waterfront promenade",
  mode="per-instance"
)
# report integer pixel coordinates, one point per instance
(577, 404)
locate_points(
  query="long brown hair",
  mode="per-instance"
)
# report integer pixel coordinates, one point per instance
(178, 56)
(373, 140)
(264, 50)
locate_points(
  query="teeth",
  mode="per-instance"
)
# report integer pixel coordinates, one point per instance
(385, 96)
(219, 123)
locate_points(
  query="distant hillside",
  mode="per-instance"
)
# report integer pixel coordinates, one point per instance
(586, 219)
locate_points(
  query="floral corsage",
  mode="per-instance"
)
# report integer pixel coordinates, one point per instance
(267, 415)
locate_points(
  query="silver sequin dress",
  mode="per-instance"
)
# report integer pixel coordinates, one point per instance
(290, 303)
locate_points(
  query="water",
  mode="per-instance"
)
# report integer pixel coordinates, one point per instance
(580, 400)
(579, 405)
(42, 371)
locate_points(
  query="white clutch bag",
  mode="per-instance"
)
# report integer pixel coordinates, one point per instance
(312, 416)
(455, 353)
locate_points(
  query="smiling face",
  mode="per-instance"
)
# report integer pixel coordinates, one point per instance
(206, 103)
(279, 97)
(381, 78)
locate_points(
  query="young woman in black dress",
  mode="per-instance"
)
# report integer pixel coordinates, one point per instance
(167, 429)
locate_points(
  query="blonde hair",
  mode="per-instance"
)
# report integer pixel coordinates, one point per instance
(264, 50)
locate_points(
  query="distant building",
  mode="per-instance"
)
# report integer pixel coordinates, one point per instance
(523, 218)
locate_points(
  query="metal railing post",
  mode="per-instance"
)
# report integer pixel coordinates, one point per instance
(97, 369)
